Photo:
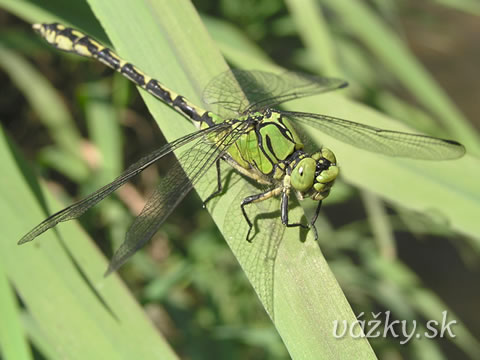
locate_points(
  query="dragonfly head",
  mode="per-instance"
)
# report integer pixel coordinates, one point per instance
(313, 175)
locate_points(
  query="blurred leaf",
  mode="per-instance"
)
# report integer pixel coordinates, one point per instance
(426, 349)
(229, 34)
(47, 105)
(13, 343)
(356, 66)
(314, 32)
(235, 45)
(410, 115)
(385, 45)
(38, 337)
(469, 6)
(433, 308)
(61, 283)
(64, 162)
(104, 130)
(381, 228)
(425, 302)
(74, 13)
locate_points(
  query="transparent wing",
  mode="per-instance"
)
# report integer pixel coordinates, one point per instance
(171, 190)
(239, 91)
(258, 257)
(387, 142)
(73, 211)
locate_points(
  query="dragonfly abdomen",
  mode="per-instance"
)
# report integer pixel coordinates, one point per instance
(74, 41)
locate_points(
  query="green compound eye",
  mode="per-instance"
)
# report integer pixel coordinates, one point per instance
(303, 174)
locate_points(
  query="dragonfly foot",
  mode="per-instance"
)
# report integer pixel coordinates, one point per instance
(248, 235)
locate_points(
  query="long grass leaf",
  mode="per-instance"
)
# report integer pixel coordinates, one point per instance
(80, 311)
(185, 60)
(47, 104)
(314, 32)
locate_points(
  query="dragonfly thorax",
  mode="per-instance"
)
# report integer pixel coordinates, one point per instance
(313, 175)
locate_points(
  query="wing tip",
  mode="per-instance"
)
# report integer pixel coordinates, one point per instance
(116, 262)
(24, 240)
(110, 270)
(460, 149)
(31, 235)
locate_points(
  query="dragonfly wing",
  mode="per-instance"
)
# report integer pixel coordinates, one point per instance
(172, 189)
(75, 210)
(192, 165)
(387, 142)
(241, 90)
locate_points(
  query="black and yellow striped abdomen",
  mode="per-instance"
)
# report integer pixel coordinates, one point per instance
(74, 41)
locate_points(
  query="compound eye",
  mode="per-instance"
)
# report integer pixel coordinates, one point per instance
(303, 175)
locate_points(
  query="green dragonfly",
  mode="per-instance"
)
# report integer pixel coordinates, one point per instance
(256, 140)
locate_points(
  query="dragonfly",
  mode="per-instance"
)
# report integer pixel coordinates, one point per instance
(258, 141)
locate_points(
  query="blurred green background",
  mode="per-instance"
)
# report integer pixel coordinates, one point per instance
(415, 61)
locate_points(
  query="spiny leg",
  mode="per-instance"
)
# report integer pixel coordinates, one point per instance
(284, 212)
(284, 215)
(219, 185)
(257, 198)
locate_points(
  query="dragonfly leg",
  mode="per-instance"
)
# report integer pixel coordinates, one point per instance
(219, 185)
(284, 212)
(314, 219)
(257, 198)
